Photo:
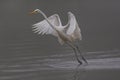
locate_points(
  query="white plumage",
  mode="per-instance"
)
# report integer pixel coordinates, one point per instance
(43, 27)
(71, 30)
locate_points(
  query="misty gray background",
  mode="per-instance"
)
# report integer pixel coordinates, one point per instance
(98, 20)
(28, 56)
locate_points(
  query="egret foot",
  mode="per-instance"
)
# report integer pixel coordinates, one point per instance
(83, 58)
(80, 62)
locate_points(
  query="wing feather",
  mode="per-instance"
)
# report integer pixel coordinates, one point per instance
(73, 29)
(43, 27)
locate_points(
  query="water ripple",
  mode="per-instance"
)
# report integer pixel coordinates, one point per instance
(15, 68)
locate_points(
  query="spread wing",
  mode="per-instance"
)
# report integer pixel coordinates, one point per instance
(43, 27)
(73, 29)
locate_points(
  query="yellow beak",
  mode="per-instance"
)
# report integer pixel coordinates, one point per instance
(33, 12)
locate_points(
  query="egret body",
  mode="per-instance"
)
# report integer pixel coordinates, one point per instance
(65, 34)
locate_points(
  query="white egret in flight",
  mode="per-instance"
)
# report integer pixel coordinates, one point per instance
(65, 34)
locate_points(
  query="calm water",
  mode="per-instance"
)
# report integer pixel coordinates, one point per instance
(30, 65)
(28, 56)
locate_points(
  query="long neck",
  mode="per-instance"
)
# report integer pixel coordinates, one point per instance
(47, 19)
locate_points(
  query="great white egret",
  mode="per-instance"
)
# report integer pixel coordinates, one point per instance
(65, 34)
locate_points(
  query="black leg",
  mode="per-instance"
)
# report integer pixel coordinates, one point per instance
(83, 58)
(77, 56)
(74, 48)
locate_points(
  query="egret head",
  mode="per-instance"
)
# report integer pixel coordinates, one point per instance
(69, 13)
(35, 11)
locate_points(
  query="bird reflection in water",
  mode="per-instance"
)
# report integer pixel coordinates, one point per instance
(79, 74)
